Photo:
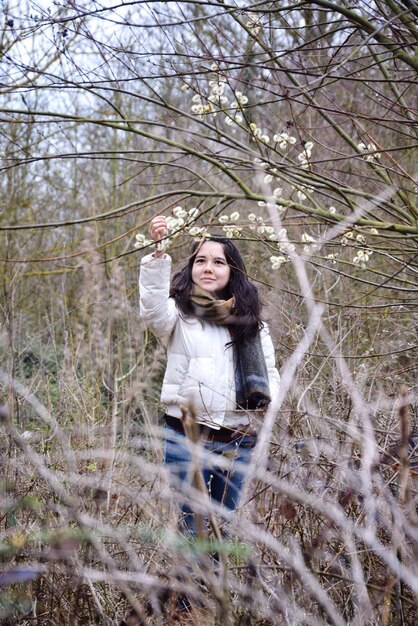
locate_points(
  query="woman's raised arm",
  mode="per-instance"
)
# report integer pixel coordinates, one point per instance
(156, 308)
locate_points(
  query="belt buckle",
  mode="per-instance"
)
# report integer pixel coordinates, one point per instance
(206, 435)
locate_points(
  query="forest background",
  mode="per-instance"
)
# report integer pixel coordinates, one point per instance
(291, 128)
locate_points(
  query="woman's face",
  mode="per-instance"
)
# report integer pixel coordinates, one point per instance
(210, 269)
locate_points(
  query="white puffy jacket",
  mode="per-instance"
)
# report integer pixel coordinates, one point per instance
(199, 367)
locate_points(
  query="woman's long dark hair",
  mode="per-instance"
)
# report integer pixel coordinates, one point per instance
(247, 308)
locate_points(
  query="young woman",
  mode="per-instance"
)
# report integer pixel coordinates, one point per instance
(220, 360)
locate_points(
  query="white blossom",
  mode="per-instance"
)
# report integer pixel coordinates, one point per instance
(241, 98)
(305, 238)
(196, 230)
(219, 99)
(372, 157)
(332, 257)
(278, 192)
(141, 241)
(361, 258)
(173, 223)
(193, 213)
(277, 261)
(178, 211)
(252, 217)
(283, 139)
(288, 248)
(200, 109)
(234, 217)
(268, 178)
(256, 131)
(197, 108)
(232, 231)
(223, 219)
(304, 156)
(369, 148)
(218, 89)
(253, 23)
(332, 209)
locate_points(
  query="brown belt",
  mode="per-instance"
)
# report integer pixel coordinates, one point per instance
(225, 435)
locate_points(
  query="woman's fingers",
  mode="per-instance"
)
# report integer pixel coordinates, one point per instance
(158, 227)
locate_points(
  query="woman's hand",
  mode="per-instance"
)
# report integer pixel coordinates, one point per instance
(158, 230)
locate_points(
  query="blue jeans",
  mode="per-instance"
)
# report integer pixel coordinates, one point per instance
(224, 485)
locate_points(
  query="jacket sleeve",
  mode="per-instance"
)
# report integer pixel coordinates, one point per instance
(273, 373)
(156, 308)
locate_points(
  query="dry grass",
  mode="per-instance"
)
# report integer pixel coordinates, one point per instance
(327, 533)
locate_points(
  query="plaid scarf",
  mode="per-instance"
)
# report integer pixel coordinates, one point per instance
(251, 378)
